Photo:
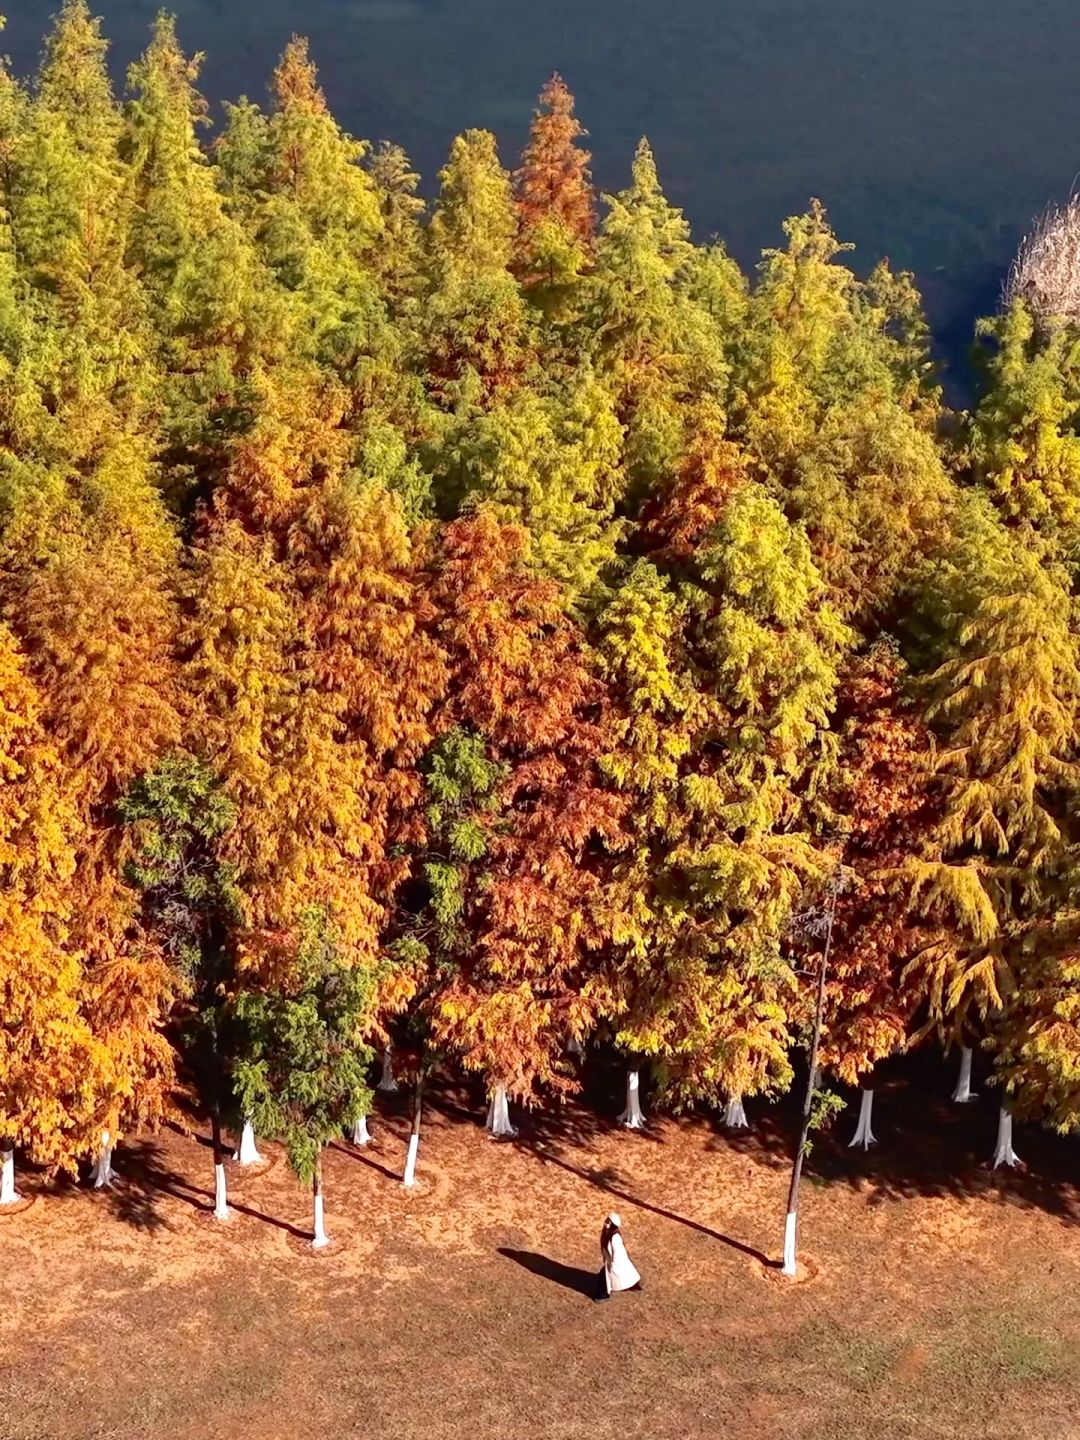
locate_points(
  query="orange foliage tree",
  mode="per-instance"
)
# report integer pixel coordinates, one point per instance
(556, 201)
(49, 1058)
(518, 820)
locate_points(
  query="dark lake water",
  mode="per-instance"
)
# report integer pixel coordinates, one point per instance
(932, 129)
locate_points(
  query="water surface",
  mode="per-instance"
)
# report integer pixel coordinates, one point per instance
(932, 129)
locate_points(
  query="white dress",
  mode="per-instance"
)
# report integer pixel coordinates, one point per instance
(619, 1272)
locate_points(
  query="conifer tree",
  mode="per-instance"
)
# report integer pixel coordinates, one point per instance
(71, 210)
(652, 329)
(881, 799)
(320, 227)
(87, 554)
(179, 814)
(477, 329)
(399, 260)
(551, 463)
(722, 755)
(1005, 706)
(214, 311)
(556, 203)
(510, 910)
(313, 675)
(303, 1074)
(50, 1060)
(835, 407)
(1024, 449)
(321, 218)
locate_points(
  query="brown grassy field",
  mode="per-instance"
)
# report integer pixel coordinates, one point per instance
(942, 1301)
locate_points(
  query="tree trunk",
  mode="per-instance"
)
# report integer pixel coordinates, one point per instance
(387, 1084)
(8, 1194)
(1004, 1154)
(735, 1115)
(246, 1152)
(575, 1047)
(102, 1175)
(498, 1116)
(221, 1193)
(361, 1135)
(813, 1076)
(321, 1237)
(409, 1178)
(632, 1116)
(963, 1092)
(864, 1133)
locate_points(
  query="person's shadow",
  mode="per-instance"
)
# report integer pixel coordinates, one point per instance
(583, 1282)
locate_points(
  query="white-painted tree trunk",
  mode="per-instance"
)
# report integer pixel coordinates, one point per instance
(409, 1178)
(246, 1152)
(102, 1175)
(321, 1237)
(789, 1265)
(221, 1193)
(735, 1114)
(632, 1116)
(1004, 1154)
(8, 1194)
(387, 1083)
(864, 1134)
(361, 1135)
(498, 1115)
(575, 1047)
(819, 1076)
(963, 1092)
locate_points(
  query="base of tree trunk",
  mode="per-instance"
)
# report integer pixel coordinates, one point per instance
(387, 1084)
(790, 1262)
(361, 1135)
(735, 1114)
(8, 1194)
(633, 1118)
(409, 1178)
(221, 1196)
(864, 1134)
(498, 1116)
(103, 1175)
(321, 1238)
(1004, 1154)
(246, 1152)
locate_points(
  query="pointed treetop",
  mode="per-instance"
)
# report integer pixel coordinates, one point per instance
(556, 98)
(296, 80)
(553, 184)
(165, 74)
(73, 77)
(473, 226)
(646, 179)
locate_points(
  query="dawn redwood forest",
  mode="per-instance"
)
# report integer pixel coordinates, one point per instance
(459, 636)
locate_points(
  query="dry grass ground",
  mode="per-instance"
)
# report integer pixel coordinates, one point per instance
(945, 1301)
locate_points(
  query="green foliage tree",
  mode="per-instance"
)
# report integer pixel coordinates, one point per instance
(302, 1074)
(179, 813)
(477, 329)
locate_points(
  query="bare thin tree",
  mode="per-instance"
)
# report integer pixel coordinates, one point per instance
(813, 924)
(1046, 271)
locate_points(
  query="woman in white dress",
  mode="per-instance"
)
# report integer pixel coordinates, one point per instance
(618, 1272)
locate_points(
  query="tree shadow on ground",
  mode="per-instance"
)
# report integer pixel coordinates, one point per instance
(611, 1183)
(143, 1181)
(560, 1120)
(354, 1152)
(927, 1146)
(570, 1277)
